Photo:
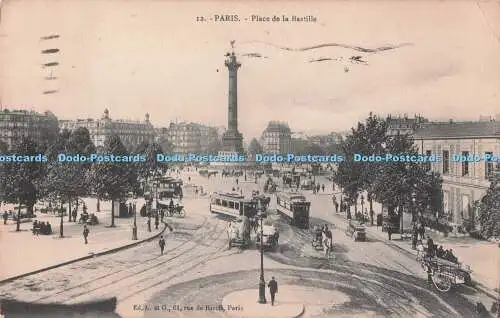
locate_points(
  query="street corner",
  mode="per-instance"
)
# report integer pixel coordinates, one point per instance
(244, 303)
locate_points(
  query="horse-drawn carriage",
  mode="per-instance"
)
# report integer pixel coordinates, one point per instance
(172, 207)
(443, 273)
(270, 186)
(356, 231)
(270, 235)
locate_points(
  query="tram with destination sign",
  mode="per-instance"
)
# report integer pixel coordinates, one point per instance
(233, 204)
(295, 208)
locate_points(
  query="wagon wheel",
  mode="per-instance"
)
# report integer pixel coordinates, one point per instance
(182, 213)
(442, 281)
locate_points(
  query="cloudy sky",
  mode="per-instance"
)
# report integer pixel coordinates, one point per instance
(152, 56)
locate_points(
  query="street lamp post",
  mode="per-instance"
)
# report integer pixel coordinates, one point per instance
(134, 228)
(413, 201)
(262, 283)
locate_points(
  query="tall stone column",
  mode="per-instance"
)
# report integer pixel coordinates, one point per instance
(232, 139)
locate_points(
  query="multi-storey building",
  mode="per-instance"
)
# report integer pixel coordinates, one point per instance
(185, 137)
(189, 137)
(464, 181)
(131, 133)
(277, 138)
(208, 136)
(16, 125)
(325, 141)
(403, 125)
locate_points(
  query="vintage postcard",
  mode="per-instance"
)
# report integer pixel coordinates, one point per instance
(168, 158)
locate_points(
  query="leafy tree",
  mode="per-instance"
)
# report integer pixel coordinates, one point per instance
(165, 145)
(150, 166)
(489, 215)
(214, 147)
(112, 180)
(367, 138)
(3, 147)
(254, 147)
(390, 183)
(305, 147)
(67, 180)
(20, 179)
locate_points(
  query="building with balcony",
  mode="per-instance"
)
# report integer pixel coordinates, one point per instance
(16, 125)
(465, 182)
(276, 138)
(131, 133)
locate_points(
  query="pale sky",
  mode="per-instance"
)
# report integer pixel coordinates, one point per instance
(152, 56)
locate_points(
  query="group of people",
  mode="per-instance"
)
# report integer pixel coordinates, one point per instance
(324, 235)
(43, 228)
(317, 187)
(434, 251)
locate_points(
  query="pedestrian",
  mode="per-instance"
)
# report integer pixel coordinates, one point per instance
(162, 244)
(273, 289)
(85, 233)
(5, 217)
(74, 214)
(157, 221)
(323, 187)
(430, 247)
(414, 239)
(389, 232)
(422, 231)
(149, 224)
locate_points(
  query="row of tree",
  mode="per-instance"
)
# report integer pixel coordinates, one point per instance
(26, 183)
(398, 186)
(401, 186)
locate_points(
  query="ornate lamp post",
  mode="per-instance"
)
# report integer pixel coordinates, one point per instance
(134, 228)
(413, 200)
(262, 283)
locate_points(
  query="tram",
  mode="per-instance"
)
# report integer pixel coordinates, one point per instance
(233, 204)
(295, 208)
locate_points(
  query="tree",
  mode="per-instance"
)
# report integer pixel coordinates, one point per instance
(214, 147)
(20, 178)
(489, 215)
(112, 180)
(68, 180)
(254, 148)
(165, 145)
(150, 166)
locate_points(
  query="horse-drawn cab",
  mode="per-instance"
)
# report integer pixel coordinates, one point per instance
(170, 197)
(270, 236)
(356, 231)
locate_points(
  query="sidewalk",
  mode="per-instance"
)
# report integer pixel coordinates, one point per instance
(22, 252)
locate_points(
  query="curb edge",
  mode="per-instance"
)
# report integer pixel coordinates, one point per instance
(75, 260)
(301, 312)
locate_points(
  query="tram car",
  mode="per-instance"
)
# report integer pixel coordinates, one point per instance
(233, 204)
(295, 208)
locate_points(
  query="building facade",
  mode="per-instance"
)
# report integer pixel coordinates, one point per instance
(131, 133)
(403, 125)
(185, 137)
(277, 138)
(464, 182)
(16, 125)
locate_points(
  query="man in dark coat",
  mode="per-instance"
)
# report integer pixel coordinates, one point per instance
(162, 244)
(85, 233)
(273, 289)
